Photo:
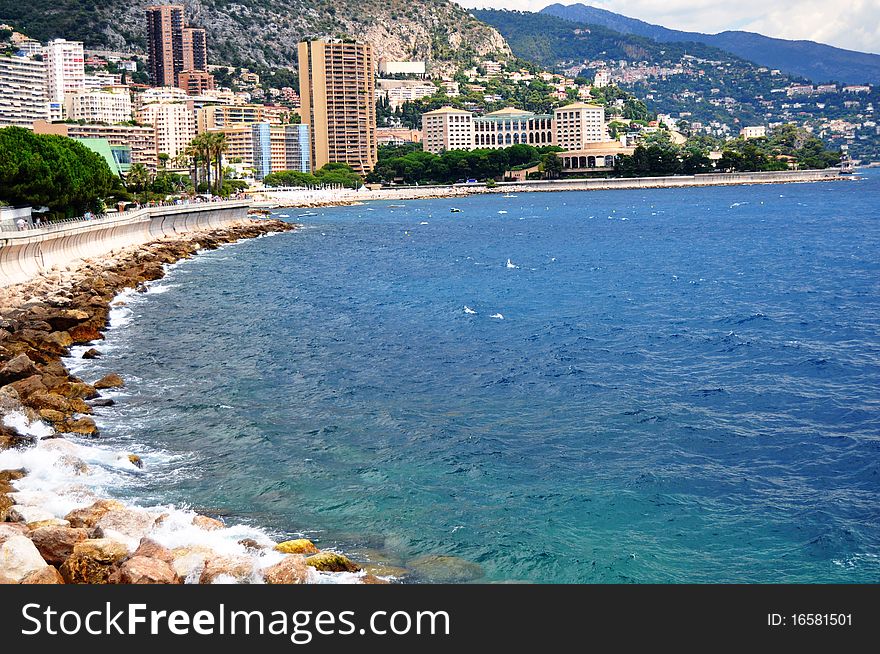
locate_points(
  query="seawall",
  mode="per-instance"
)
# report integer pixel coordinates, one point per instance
(27, 253)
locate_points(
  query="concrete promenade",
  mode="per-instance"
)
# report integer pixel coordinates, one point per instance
(25, 254)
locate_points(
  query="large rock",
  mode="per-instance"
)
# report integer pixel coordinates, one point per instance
(27, 514)
(332, 562)
(227, 569)
(109, 381)
(189, 562)
(204, 522)
(297, 546)
(67, 318)
(18, 367)
(9, 438)
(144, 570)
(446, 569)
(56, 544)
(91, 353)
(76, 389)
(290, 570)
(28, 386)
(19, 557)
(10, 529)
(89, 516)
(81, 426)
(92, 561)
(46, 575)
(60, 340)
(85, 333)
(131, 523)
(153, 550)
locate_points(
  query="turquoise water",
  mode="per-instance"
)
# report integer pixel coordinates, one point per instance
(683, 386)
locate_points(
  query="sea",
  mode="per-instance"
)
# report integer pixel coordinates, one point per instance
(641, 386)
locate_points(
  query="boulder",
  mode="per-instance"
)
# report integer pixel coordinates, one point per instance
(131, 523)
(85, 333)
(11, 475)
(251, 544)
(6, 581)
(9, 529)
(28, 386)
(74, 464)
(27, 514)
(290, 570)
(19, 557)
(53, 401)
(10, 438)
(61, 340)
(56, 544)
(92, 561)
(332, 562)
(189, 562)
(67, 318)
(5, 504)
(50, 522)
(109, 381)
(135, 460)
(446, 569)
(153, 550)
(297, 546)
(206, 523)
(80, 426)
(385, 570)
(143, 570)
(104, 401)
(53, 416)
(46, 575)
(18, 367)
(91, 353)
(76, 389)
(227, 569)
(88, 516)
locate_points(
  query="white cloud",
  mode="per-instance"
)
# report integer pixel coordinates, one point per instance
(850, 24)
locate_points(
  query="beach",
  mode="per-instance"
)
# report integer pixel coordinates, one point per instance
(56, 526)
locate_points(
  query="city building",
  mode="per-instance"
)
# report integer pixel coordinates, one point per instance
(290, 148)
(195, 82)
(172, 46)
(65, 68)
(164, 43)
(261, 142)
(174, 123)
(195, 49)
(339, 102)
(226, 115)
(447, 129)
(757, 132)
(100, 79)
(109, 105)
(509, 126)
(161, 94)
(602, 78)
(140, 139)
(401, 67)
(578, 124)
(266, 148)
(601, 155)
(398, 91)
(118, 157)
(22, 91)
(397, 135)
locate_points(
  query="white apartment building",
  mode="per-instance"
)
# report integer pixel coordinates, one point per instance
(99, 80)
(447, 128)
(22, 91)
(65, 68)
(399, 91)
(174, 123)
(602, 78)
(578, 124)
(756, 132)
(163, 94)
(109, 105)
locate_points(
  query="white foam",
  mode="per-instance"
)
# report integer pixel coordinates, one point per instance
(468, 310)
(511, 265)
(497, 315)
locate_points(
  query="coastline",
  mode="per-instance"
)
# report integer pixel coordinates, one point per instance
(270, 199)
(55, 525)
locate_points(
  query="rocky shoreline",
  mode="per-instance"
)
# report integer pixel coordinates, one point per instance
(101, 540)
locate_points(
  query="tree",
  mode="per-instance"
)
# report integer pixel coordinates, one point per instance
(138, 178)
(551, 164)
(55, 171)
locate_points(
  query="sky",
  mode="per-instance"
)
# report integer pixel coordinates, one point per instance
(850, 24)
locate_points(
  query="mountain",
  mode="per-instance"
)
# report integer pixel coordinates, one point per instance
(265, 32)
(815, 61)
(548, 40)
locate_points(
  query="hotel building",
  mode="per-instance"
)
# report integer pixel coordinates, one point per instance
(174, 123)
(578, 124)
(22, 91)
(109, 105)
(65, 68)
(446, 129)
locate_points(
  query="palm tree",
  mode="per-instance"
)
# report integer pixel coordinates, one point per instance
(219, 146)
(138, 178)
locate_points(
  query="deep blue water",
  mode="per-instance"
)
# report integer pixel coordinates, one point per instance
(684, 386)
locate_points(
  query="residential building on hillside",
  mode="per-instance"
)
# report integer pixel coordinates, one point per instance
(23, 96)
(756, 132)
(195, 82)
(447, 129)
(398, 91)
(337, 82)
(65, 68)
(401, 67)
(195, 49)
(108, 105)
(602, 78)
(227, 115)
(164, 43)
(174, 123)
(140, 139)
(397, 135)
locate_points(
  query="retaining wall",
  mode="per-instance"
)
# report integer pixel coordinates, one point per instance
(27, 253)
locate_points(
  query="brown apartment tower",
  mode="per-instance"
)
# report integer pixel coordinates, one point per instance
(171, 46)
(337, 91)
